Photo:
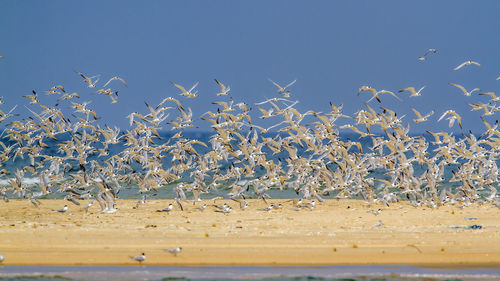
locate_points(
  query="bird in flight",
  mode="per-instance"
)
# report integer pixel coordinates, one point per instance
(115, 78)
(224, 90)
(190, 93)
(282, 90)
(422, 58)
(412, 91)
(468, 94)
(88, 80)
(467, 63)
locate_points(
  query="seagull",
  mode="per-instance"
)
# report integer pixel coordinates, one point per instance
(376, 212)
(421, 118)
(201, 208)
(88, 80)
(422, 58)
(282, 90)
(226, 210)
(167, 209)
(2, 257)
(140, 258)
(413, 92)
(468, 94)
(453, 116)
(379, 223)
(190, 93)
(492, 96)
(224, 90)
(467, 63)
(115, 78)
(63, 210)
(174, 251)
(86, 207)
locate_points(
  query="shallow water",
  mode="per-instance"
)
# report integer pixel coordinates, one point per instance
(284, 273)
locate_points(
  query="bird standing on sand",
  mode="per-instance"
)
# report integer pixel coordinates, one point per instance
(140, 258)
(167, 209)
(174, 251)
(2, 257)
(63, 210)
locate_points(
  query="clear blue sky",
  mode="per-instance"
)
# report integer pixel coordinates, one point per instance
(331, 48)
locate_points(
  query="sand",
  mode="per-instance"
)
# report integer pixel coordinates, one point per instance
(336, 232)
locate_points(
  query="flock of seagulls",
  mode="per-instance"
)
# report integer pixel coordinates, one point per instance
(70, 153)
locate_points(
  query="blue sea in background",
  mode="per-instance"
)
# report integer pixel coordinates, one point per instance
(281, 273)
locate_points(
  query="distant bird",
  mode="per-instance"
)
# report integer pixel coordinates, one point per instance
(190, 93)
(86, 207)
(492, 95)
(421, 118)
(379, 223)
(88, 80)
(468, 94)
(174, 251)
(376, 212)
(140, 258)
(498, 78)
(452, 117)
(115, 78)
(467, 63)
(224, 90)
(282, 90)
(422, 58)
(167, 209)
(63, 210)
(412, 91)
(2, 257)
(201, 208)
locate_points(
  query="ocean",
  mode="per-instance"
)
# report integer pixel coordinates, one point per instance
(278, 273)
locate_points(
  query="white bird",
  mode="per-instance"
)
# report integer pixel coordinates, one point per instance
(224, 90)
(174, 251)
(421, 118)
(115, 78)
(426, 53)
(201, 208)
(64, 209)
(226, 210)
(379, 223)
(140, 258)
(88, 80)
(167, 209)
(2, 257)
(282, 90)
(190, 93)
(468, 94)
(376, 212)
(412, 91)
(467, 63)
(453, 116)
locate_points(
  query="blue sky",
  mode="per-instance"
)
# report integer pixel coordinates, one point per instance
(331, 48)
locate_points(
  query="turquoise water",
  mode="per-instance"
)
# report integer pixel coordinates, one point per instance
(336, 273)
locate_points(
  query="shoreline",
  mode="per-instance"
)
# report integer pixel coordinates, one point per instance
(337, 232)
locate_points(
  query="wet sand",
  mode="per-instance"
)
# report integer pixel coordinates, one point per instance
(337, 232)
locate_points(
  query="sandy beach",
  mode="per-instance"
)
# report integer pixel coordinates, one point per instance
(335, 232)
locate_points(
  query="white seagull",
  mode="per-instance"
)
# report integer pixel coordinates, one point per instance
(174, 251)
(63, 210)
(469, 62)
